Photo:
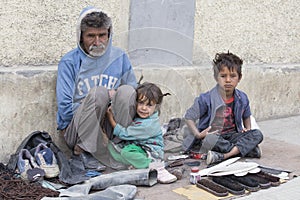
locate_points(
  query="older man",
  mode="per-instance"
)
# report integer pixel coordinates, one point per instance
(90, 77)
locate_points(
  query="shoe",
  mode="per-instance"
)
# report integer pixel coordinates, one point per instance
(26, 163)
(246, 181)
(46, 160)
(212, 187)
(275, 181)
(177, 172)
(232, 186)
(163, 176)
(214, 157)
(263, 182)
(35, 174)
(176, 163)
(255, 153)
(90, 162)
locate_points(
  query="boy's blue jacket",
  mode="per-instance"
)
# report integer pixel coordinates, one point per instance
(78, 72)
(204, 110)
(145, 132)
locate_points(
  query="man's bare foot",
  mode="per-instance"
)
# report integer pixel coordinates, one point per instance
(77, 150)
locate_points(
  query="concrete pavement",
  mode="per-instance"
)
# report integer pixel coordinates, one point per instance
(280, 149)
(286, 130)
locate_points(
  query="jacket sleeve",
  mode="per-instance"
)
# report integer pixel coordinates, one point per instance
(193, 113)
(138, 131)
(65, 86)
(246, 107)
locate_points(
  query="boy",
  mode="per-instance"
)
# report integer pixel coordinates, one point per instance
(224, 126)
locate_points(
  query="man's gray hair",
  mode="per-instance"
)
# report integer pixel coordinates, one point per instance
(95, 20)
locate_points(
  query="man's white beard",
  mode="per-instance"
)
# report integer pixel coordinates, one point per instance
(97, 51)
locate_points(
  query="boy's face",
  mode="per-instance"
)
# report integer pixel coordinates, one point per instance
(228, 80)
(145, 108)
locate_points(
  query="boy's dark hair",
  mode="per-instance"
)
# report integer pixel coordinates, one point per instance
(96, 20)
(229, 60)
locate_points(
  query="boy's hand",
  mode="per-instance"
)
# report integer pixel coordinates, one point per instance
(203, 133)
(245, 130)
(214, 132)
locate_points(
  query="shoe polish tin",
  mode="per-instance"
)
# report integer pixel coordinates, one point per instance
(194, 175)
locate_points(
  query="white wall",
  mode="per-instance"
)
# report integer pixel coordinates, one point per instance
(39, 32)
(259, 31)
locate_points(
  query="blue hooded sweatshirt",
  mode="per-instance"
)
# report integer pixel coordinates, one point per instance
(78, 72)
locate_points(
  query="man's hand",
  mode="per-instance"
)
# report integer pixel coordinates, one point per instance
(111, 93)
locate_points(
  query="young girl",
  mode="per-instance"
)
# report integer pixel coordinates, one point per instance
(142, 141)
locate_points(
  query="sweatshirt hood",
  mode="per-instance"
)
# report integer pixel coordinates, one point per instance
(85, 12)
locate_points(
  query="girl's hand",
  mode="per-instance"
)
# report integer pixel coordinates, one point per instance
(109, 112)
(110, 117)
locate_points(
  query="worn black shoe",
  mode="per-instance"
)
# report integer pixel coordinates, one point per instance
(263, 182)
(255, 153)
(212, 187)
(90, 162)
(275, 181)
(232, 186)
(249, 183)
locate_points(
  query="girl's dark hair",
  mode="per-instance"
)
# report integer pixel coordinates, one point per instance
(228, 60)
(151, 91)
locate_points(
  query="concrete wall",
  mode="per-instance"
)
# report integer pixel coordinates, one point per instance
(35, 34)
(39, 32)
(28, 96)
(259, 31)
(161, 32)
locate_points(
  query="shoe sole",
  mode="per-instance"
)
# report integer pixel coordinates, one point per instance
(209, 158)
